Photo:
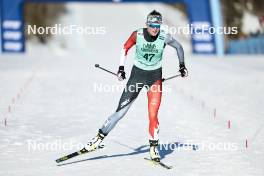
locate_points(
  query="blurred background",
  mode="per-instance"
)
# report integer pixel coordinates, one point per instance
(248, 16)
(245, 15)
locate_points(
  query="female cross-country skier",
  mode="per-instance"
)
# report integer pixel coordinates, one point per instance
(146, 72)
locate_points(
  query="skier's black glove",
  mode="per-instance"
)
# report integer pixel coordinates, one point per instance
(183, 70)
(121, 74)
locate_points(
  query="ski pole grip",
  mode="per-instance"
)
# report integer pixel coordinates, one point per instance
(96, 65)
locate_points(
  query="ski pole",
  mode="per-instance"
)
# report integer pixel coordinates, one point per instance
(98, 66)
(163, 79)
(166, 79)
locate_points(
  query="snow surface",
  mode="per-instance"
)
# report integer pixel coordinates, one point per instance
(60, 105)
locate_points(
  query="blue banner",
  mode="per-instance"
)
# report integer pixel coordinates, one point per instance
(199, 14)
(12, 26)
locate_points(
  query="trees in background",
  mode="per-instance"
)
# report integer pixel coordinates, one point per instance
(233, 12)
(42, 15)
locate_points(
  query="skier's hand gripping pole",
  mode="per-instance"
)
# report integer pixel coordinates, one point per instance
(121, 74)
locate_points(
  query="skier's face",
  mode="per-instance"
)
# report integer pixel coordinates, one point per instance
(153, 31)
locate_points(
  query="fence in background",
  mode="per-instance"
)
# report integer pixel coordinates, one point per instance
(253, 45)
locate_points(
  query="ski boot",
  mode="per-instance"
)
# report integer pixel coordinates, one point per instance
(153, 150)
(95, 142)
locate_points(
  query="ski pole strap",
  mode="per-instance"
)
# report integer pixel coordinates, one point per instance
(98, 66)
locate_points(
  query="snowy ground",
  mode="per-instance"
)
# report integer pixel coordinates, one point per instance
(60, 106)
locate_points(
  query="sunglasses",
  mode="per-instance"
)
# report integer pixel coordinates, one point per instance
(154, 25)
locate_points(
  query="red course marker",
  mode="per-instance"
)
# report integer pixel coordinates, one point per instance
(246, 143)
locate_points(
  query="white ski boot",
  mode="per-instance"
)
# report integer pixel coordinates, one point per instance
(95, 142)
(153, 150)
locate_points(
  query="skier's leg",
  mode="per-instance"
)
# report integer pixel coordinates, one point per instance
(129, 95)
(112, 120)
(154, 99)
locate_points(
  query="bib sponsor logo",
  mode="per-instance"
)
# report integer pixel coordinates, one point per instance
(149, 48)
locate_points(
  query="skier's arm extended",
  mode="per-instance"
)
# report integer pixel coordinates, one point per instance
(169, 40)
(129, 43)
